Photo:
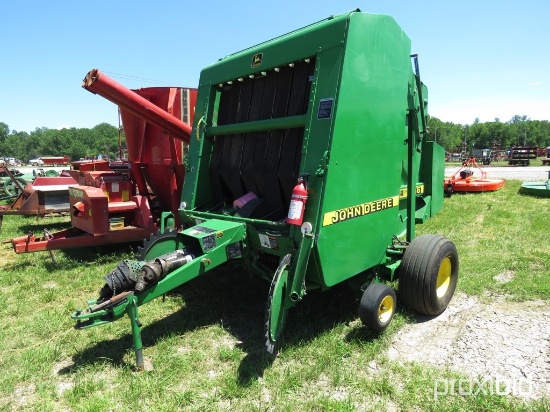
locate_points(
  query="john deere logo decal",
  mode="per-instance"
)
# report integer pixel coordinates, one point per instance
(257, 59)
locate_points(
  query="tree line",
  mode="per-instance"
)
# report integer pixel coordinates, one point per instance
(518, 131)
(73, 142)
(104, 138)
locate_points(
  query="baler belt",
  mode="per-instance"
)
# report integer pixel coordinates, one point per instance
(263, 162)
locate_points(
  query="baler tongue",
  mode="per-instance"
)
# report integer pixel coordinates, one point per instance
(132, 283)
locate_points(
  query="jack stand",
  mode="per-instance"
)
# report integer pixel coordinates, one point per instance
(132, 311)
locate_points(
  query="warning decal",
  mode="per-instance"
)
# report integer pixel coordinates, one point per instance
(269, 242)
(257, 60)
(325, 108)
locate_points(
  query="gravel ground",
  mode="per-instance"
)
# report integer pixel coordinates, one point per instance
(494, 341)
(526, 174)
(488, 339)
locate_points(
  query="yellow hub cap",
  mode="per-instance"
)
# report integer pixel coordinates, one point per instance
(443, 278)
(385, 310)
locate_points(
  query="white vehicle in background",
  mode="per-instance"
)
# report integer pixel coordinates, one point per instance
(36, 162)
(12, 161)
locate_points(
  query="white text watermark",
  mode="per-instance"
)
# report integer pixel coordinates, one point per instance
(522, 387)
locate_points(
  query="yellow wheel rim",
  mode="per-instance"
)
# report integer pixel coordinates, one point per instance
(385, 310)
(443, 278)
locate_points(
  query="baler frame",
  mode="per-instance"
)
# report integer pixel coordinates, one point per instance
(222, 171)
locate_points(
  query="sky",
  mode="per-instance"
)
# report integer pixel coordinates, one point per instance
(483, 59)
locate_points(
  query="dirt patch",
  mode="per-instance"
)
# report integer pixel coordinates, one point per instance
(23, 396)
(504, 277)
(495, 340)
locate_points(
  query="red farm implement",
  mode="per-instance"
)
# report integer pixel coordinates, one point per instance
(123, 204)
(46, 195)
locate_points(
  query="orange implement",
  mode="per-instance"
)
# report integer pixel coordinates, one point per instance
(464, 180)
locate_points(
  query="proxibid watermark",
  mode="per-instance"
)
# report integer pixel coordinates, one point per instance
(522, 387)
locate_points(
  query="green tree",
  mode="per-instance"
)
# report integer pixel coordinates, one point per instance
(105, 138)
(447, 134)
(4, 132)
(30, 145)
(54, 144)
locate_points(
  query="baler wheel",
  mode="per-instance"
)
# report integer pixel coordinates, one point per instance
(377, 306)
(276, 306)
(428, 274)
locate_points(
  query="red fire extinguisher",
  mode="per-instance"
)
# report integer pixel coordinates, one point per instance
(298, 202)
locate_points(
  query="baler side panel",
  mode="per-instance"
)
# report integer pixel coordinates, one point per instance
(367, 150)
(432, 167)
(199, 171)
(316, 160)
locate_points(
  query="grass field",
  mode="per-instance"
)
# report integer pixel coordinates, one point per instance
(204, 341)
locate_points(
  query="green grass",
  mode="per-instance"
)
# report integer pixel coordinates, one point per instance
(205, 339)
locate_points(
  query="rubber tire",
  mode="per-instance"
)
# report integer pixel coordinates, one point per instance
(370, 305)
(418, 274)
